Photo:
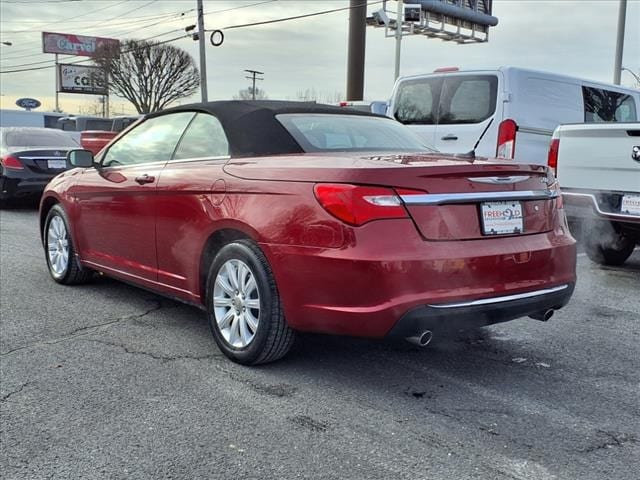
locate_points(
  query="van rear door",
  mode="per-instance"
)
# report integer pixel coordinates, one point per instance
(450, 111)
(415, 103)
(468, 101)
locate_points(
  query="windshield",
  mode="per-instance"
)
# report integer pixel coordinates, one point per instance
(328, 132)
(39, 138)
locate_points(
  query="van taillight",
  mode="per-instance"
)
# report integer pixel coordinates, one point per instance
(12, 163)
(507, 139)
(552, 157)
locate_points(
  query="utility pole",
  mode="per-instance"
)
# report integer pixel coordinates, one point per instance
(203, 58)
(253, 78)
(399, 22)
(356, 49)
(57, 83)
(622, 15)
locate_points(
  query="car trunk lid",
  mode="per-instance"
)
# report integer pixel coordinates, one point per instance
(42, 160)
(448, 197)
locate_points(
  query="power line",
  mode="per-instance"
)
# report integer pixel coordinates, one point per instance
(85, 60)
(166, 18)
(117, 34)
(70, 19)
(296, 17)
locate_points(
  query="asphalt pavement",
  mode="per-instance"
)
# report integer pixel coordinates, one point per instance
(107, 381)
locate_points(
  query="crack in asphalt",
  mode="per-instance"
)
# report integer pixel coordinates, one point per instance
(6, 397)
(87, 330)
(612, 439)
(165, 358)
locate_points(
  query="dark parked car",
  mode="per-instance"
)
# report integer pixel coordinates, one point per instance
(29, 158)
(277, 217)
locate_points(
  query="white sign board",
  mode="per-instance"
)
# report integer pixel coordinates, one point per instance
(82, 79)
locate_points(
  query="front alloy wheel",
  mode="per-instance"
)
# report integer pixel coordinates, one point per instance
(59, 250)
(58, 246)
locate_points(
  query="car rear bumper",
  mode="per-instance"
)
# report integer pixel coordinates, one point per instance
(14, 186)
(387, 272)
(473, 314)
(581, 204)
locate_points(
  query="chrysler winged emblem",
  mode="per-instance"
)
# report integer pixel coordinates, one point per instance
(501, 180)
(635, 153)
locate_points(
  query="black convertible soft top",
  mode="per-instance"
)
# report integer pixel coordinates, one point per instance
(251, 126)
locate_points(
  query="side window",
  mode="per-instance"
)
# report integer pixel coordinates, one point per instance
(417, 101)
(51, 121)
(607, 106)
(204, 137)
(468, 99)
(154, 140)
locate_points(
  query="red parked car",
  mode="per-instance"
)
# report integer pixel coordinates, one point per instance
(277, 217)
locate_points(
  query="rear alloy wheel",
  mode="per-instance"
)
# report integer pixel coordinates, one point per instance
(59, 251)
(243, 306)
(605, 244)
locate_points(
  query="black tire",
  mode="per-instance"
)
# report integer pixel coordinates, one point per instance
(73, 273)
(272, 338)
(605, 244)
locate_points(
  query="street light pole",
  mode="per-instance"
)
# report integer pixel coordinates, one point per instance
(632, 73)
(617, 69)
(203, 58)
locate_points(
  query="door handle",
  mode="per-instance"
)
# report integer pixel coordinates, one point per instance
(145, 179)
(449, 137)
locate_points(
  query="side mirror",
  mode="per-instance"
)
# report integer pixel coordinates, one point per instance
(379, 107)
(80, 158)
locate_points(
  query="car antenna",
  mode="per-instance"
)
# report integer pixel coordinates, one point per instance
(472, 153)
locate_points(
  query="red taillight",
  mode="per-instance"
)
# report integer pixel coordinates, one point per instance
(344, 104)
(507, 139)
(12, 163)
(446, 69)
(357, 205)
(552, 157)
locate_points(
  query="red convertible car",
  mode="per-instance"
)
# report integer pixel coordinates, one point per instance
(278, 217)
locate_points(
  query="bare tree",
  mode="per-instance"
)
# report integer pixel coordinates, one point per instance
(247, 94)
(311, 95)
(150, 75)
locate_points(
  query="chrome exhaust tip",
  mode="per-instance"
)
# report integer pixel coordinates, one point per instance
(422, 339)
(543, 315)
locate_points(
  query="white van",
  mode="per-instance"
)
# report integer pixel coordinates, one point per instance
(450, 109)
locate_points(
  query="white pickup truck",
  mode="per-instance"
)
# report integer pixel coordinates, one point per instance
(598, 168)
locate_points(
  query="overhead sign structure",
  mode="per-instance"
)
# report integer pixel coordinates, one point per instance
(82, 79)
(68, 44)
(461, 21)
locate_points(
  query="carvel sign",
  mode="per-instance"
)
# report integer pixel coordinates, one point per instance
(67, 44)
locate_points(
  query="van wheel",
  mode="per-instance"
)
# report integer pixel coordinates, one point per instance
(243, 306)
(605, 244)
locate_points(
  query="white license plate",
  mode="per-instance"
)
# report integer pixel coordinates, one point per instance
(501, 218)
(57, 164)
(630, 204)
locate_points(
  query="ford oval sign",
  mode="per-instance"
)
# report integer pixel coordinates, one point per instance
(28, 103)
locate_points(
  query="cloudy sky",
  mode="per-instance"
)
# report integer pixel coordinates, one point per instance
(574, 37)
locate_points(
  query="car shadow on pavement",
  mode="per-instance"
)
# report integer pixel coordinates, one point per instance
(27, 203)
